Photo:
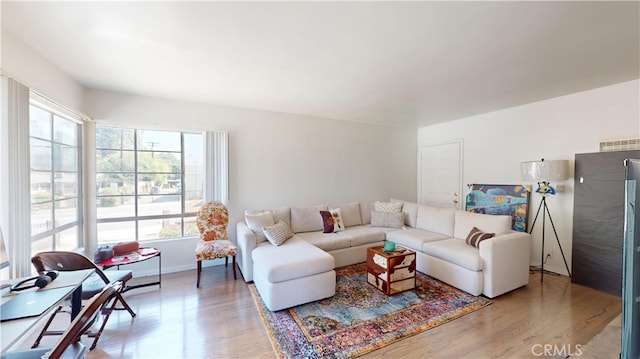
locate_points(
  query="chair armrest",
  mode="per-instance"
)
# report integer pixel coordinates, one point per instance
(246, 242)
(506, 262)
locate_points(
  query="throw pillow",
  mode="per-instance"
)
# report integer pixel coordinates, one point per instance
(476, 236)
(332, 221)
(388, 206)
(256, 220)
(387, 219)
(277, 233)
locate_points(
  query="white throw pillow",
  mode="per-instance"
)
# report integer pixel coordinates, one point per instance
(388, 206)
(256, 220)
(277, 233)
(387, 219)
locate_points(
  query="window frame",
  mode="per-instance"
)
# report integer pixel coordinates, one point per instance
(183, 216)
(36, 101)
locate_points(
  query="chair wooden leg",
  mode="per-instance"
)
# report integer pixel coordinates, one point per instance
(226, 261)
(46, 326)
(124, 304)
(234, 267)
(106, 311)
(199, 271)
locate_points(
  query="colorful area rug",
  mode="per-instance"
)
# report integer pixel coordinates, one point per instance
(360, 319)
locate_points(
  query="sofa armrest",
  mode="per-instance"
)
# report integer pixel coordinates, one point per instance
(506, 262)
(246, 241)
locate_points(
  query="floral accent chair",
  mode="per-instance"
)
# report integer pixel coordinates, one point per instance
(214, 242)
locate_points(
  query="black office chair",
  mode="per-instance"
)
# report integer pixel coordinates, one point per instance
(69, 344)
(71, 261)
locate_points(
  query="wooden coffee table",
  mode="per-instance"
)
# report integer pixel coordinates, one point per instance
(391, 272)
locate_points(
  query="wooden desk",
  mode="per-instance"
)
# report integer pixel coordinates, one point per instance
(13, 331)
(140, 255)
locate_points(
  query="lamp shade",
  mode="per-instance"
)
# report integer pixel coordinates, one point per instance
(544, 171)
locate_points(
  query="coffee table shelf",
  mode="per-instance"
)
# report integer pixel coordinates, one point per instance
(391, 272)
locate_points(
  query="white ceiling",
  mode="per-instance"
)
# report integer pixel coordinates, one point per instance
(399, 63)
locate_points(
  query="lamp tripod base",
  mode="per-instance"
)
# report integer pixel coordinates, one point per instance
(545, 213)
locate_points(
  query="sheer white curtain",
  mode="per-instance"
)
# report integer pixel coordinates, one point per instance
(15, 179)
(216, 167)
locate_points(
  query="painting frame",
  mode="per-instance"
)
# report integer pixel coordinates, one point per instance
(500, 199)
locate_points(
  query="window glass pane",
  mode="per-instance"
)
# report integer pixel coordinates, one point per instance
(159, 204)
(150, 229)
(162, 162)
(158, 140)
(41, 218)
(40, 155)
(67, 240)
(170, 228)
(40, 186)
(193, 171)
(66, 211)
(115, 161)
(65, 131)
(190, 228)
(65, 158)
(41, 245)
(116, 206)
(112, 233)
(66, 184)
(114, 138)
(110, 184)
(39, 123)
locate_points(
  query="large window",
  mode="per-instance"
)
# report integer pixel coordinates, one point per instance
(56, 179)
(149, 183)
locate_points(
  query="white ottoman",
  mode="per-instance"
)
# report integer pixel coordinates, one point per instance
(294, 273)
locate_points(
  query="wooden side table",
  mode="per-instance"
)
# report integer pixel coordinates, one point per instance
(391, 272)
(142, 254)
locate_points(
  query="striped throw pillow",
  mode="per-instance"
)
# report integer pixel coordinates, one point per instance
(476, 236)
(277, 233)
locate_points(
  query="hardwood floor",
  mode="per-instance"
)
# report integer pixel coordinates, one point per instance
(220, 320)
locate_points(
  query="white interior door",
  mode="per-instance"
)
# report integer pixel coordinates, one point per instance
(440, 175)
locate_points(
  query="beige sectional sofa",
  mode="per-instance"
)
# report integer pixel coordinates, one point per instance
(301, 269)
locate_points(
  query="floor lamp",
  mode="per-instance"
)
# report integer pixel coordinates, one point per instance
(543, 172)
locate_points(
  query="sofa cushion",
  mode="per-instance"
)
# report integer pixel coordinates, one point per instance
(387, 206)
(410, 210)
(307, 218)
(332, 221)
(359, 235)
(387, 219)
(455, 251)
(256, 220)
(282, 214)
(414, 238)
(278, 233)
(476, 236)
(436, 219)
(365, 212)
(465, 221)
(326, 241)
(350, 213)
(294, 259)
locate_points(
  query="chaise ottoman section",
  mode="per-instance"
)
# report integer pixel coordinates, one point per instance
(293, 273)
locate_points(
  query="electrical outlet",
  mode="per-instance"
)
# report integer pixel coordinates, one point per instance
(549, 254)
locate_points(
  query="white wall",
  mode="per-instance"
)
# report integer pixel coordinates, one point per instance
(278, 159)
(27, 66)
(495, 144)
